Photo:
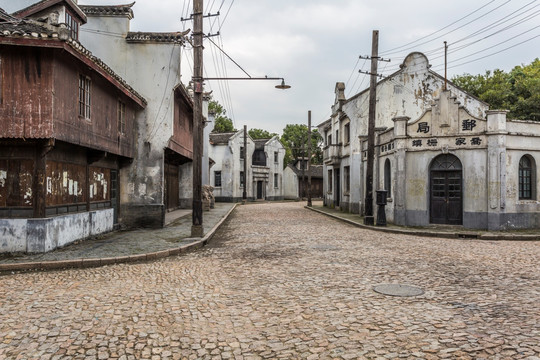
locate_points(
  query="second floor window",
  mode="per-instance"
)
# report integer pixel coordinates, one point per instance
(73, 26)
(276, 158)
(242, 152)
(217, 178)
(84, 96)
(347, 133)
(121, 117)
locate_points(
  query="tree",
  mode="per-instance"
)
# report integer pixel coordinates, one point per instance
(294, 137)
(517, 91)
(260, 134)
(222, 122)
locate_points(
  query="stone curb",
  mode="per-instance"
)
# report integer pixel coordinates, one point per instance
(96, 262)
(458, 235)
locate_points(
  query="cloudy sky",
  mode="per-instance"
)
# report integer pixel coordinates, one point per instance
(315, 43)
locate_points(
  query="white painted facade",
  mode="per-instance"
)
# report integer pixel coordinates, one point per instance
(265, 181)
(150, 62)
(442, 154)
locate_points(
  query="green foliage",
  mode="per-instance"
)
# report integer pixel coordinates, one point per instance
(294, 137)
(517, 91)
(222, 122)
(260, 134)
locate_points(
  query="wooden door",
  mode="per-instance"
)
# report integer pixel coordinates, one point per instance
(446, 197)
(172, 191)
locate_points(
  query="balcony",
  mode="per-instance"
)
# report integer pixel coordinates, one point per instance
(332, 153)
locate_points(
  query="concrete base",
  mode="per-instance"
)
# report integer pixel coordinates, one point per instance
(43, 235)
(197, 231)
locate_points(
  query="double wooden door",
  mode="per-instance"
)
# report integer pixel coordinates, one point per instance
(446, 203)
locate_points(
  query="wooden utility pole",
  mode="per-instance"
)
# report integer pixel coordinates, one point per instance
(244, 193)
(445, 66)
(309, 160)
(197, 213)
(368, 217)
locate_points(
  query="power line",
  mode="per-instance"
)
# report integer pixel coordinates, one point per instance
(435, 32)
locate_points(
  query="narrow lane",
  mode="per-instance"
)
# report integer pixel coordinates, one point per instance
(279, 281)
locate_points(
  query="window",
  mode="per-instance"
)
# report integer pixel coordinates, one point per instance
(347, 132)
(387, 178)
(73, 26)
(526, 178)
(337, 137)
(347, 174)
(329, 139)
(241, 179)
(330, 180)
(276, 185)
(242, 152)
(276, 158)
(121, 117)
(84, 97)
(217, 178)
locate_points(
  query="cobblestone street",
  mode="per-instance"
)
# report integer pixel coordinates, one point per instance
(280, 281)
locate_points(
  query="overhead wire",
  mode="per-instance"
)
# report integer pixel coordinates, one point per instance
(435, 32)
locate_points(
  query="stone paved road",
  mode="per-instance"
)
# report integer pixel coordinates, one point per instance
(283, 282)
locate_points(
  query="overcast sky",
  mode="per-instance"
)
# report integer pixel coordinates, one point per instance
(315, 43)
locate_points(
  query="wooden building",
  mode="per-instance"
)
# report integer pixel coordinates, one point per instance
(67, 125)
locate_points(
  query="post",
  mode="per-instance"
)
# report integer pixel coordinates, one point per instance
(309, 160)
(368, 217)
(244, 193)
(197, 214)
(303, 165)
(445, 66)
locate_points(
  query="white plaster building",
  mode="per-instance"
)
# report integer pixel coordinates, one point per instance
(264, 167)
(160, 177)
(443, 157)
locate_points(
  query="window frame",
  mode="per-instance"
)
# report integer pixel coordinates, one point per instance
(217, 175)
(330, 180)
(276, 157)
(527, 178)
(388, 177)
(347, 179)
(85, 96)
(347, 133)
(276, 180)
(72, 25)
(121, 116)
(242, 179)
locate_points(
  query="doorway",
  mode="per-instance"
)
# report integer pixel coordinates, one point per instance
(337, 187)
(260, 195)
(446, 190)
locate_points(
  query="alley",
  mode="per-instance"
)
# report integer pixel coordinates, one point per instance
(280, 281)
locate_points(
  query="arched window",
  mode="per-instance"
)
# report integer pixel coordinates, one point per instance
(388, 178)
(526, 178)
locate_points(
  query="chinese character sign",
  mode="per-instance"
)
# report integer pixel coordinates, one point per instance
(468, 125)
(423, 127)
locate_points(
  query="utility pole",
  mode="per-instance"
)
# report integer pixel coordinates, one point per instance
(197, 213)
(244, 193)
(309, 160)
(368, 217)
(445, 66)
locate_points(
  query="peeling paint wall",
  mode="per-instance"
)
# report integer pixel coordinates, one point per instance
(42, 235)
(153, 69)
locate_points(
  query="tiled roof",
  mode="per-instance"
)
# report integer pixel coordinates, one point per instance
(259, 143)
(220, 138)
(171, 37)
(45, 4)
(4, 16)
(30, 29)
(316, 171)
(108, 10)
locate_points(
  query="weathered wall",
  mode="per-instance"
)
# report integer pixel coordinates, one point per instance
(290, 184)
(42, 235)
(153, 70)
